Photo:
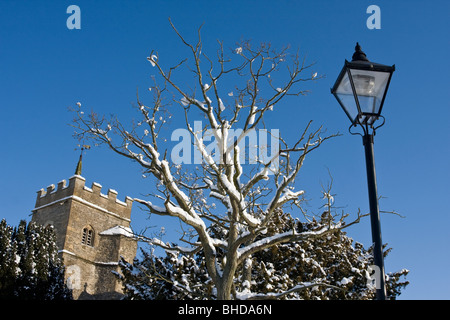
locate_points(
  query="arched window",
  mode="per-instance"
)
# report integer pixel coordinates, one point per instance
(88, 236)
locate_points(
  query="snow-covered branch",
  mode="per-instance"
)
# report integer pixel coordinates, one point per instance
(276, 296)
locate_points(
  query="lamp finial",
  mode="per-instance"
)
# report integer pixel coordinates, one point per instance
(359, 55)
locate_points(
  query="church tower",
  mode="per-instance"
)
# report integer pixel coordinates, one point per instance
(92, 232)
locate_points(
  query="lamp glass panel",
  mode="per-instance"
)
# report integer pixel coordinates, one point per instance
(346, 98)
(370, 87)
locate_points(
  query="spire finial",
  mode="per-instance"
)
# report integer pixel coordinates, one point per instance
(79, 164)
(359, 55)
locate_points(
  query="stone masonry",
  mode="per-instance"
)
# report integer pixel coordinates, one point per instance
(93, 232)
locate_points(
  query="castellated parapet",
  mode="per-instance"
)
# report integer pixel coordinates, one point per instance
(77, 189)
(92, 234)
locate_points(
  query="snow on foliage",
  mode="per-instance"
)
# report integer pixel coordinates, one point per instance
(332, 267)
(30, 268)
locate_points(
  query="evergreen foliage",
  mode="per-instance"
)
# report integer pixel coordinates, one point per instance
(331, 267)
(30, 268)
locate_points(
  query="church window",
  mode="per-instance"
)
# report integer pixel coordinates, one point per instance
(88, 237)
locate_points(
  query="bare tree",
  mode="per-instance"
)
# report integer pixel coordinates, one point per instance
(240, 198)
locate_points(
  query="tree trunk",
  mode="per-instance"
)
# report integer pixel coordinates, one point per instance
(224, 289)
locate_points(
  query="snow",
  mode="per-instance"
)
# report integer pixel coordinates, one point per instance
(152, 60)
(326, 195)
(98, 131)
(171, 184)
(344, 281)
(221, 105)
(118, 230)
(229, 187)
(353, 269)
(67, 251)
(252, 115)
(158, 242)
(110, 263)
(289, 195)
(246, 294)
(76, 198)
(153, 207)
(121, 202)
(200, 104)
(262, 242)
(185, 216)
(184, 101)
(251, 220)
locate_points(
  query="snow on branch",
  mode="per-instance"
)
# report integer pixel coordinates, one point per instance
(153, 208)
(275, 296)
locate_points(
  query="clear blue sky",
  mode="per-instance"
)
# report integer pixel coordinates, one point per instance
(45, 68)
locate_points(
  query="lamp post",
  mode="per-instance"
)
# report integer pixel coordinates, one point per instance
(360, 89)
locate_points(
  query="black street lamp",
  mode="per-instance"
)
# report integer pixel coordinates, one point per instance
(360, 89)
